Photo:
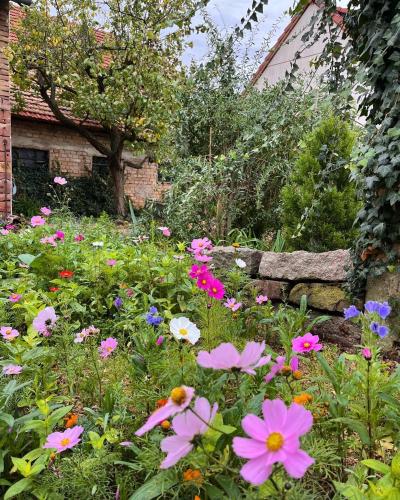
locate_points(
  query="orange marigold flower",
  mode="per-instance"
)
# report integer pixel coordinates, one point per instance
(302, 399)
(197, 497)
(297, 374)
(161, 402)
(71, 420)
(193, 475)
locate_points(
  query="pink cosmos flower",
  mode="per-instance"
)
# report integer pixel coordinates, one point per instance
(274, 439)
(178, 401)
(37, 220)
(204, 280)
(79, 237)
(8, 333)
(15, 297)
(186, 427)
(86, 332)
(45, 321)
(216, 289)
(306, 343)
(226, 357)
(165, 231)
(200, 244)
(233, 305)
(279, 365)
(196, 271)
(46, 211)
(48, 240)
(12, 369)
(107, 347)
(202, 257)
(4, 232)
(61, 441)
(59, 235)
(111, 262)
(260, 299)
(60, 180)
(126, 443)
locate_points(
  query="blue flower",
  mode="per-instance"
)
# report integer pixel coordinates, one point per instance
(380, 330)
(151, 317)
(351, 312)
(118, 302)
(371, 306)
(384, 310)
(153, 310)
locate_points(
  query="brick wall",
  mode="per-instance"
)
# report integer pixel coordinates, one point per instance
(74, 155)
(5, 116)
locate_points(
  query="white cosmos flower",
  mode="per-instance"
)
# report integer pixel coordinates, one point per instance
(98, 243)
(183, 328)
(240, 263)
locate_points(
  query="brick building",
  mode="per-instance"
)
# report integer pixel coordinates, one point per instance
(34, 138)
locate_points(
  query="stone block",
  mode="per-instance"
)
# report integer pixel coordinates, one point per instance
(274, 290)
(339, 331)
(224, 258)
(300, 266)
(320, 296)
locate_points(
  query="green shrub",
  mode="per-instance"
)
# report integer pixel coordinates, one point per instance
(319, 202)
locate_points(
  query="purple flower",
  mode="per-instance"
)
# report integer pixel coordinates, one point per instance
(15, 297)
(151, 317)
(62, 441)
(12, 369)
(107, 347)
(118, 302)
(160, 340)
(351, 312)
(384, 310)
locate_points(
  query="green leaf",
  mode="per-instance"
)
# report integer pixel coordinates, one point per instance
(349, 491)
(58, 414)
(328, 370)
(27, 258)
(156, 486)
(355, 426)
(376, 465)
(18, 487)
(229, 486)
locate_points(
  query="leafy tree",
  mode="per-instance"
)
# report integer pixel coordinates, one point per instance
(319, 202)
(124, 77)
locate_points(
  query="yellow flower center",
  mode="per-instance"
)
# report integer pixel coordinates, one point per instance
(65, 441)
(178, 395)
(203, 282)
(307, 345)
(9, 331)
(274, 441)
(183, 331)
(214, 290)
(200, 245)
(109, 349)
(165, 424)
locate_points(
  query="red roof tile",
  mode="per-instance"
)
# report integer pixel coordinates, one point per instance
(337, 18)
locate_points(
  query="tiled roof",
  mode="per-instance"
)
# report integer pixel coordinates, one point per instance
(35, 108)
(337, 18)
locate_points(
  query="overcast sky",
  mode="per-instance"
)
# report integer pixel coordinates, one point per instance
(227, 14)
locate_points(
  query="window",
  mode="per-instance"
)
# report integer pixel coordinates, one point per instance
(100, 166)
(30, 159)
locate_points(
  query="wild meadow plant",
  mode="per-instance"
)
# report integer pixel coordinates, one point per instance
(137, 370)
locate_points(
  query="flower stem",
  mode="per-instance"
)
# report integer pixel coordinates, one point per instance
(369, 409)
(96, 369)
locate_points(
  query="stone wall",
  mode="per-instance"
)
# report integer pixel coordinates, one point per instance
(74, 155)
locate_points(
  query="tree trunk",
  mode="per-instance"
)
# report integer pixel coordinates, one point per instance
(118, 178)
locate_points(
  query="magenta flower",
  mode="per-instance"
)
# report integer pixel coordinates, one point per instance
(160, 340)
(165, 231)
(8, 333)
(280, 365)
(226, 357)
(196, 271)
(186, 427)
(12, 369)
(107, 347)
(37, 220)
(178, 401)
(260, 299)
(45, 321)
(204, 280)
(232, 304)
(367, 353)
(274, 439)
(111, 262)
(79, 237)
(306, 343)
(59, 235)
(60, 180)
(216, 289)
(15, 297)
(46, 211)
(61, 441)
